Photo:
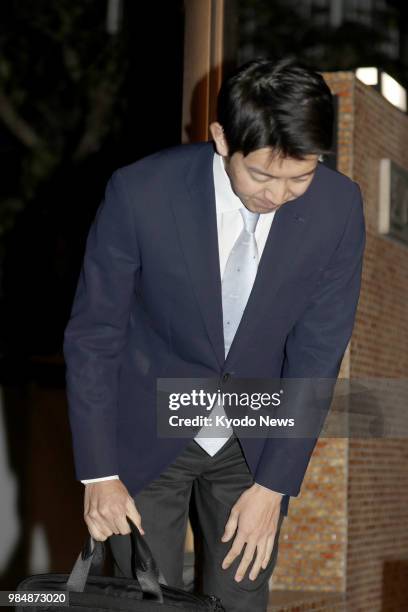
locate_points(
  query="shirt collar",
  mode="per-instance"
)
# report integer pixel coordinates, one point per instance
(225, 198)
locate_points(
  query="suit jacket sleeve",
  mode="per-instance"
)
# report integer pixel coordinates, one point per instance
(315, 347)
(96, 332)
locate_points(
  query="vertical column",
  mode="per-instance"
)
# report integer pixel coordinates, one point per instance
(203, 58)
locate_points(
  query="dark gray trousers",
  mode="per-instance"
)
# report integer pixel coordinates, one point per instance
(215, 483)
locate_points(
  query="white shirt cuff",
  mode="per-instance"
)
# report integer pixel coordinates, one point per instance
(116, 477)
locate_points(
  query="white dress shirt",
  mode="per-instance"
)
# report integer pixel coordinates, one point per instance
(229, 227)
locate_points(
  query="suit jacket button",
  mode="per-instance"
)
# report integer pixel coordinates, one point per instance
(226, 377)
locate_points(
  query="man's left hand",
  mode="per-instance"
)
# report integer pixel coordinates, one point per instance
(255, 514)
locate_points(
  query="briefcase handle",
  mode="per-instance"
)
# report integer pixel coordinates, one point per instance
(143, 563)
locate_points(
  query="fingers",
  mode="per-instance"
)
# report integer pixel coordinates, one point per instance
(268, 551)
(95, 530)
(234, 551)
(231, 526)
(97, 527)
(134, 515)
(247, 558)
(260, 555)
(122, 525)
(106, 506)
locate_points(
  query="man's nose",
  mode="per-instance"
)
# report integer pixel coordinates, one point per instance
(278, 195)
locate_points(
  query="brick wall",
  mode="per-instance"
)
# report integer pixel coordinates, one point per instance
(378, 472)
(313, 542)
(348, 529)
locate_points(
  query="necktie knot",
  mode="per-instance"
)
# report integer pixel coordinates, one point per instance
(250, 219)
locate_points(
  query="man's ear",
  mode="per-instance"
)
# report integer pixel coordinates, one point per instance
(217, 133)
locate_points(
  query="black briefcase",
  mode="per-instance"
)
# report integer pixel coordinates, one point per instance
(84, 589)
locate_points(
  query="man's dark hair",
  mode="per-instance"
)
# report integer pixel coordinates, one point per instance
(283, 105)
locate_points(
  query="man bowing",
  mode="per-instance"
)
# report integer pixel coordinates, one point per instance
(239, 258)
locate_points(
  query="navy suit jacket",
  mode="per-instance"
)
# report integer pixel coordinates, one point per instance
(148, 305)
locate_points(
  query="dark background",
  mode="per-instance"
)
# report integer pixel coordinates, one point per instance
(95, 102)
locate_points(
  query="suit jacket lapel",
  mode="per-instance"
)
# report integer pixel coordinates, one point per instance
(196, 219)
(195, 214)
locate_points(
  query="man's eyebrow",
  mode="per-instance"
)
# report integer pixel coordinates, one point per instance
(258, 171)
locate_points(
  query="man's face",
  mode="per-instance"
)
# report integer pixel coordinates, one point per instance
(264, 182)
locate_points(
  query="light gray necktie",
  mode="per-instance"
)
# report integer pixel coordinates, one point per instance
(239, 276)
(238, 279)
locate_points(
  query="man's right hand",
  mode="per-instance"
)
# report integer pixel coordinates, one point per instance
(106, 505)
